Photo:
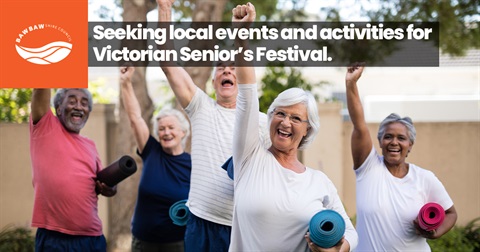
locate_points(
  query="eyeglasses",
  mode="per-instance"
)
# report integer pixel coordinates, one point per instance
(293, 118)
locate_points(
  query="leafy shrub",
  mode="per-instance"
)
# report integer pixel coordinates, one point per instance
(16, 239)
(472, 233)
(459, 239)
(452, 241)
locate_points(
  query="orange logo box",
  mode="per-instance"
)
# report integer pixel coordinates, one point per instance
(44, 44)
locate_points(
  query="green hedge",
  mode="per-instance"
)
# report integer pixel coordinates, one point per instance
(16, 239)
(464, 239)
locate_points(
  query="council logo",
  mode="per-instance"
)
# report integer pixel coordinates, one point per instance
(43, 44)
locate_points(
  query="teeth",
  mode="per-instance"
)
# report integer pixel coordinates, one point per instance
(284, 133)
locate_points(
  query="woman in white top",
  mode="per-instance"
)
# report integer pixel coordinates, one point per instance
(275, 195)
(390, 191)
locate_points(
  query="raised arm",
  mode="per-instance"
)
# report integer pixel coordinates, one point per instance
(40, 103)
(361, 141)
(242, 17)
(246, 128)
(132, 107)
(179, 80)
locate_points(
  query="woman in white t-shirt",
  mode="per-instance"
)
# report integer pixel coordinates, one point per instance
(275, 195)
(390, 191)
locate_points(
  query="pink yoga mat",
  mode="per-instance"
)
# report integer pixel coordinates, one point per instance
(431, 216)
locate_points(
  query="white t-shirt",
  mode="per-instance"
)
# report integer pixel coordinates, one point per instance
(211, 190)
(387, 205)
(274, 205)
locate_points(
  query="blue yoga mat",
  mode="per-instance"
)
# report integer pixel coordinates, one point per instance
(327, 228)
(179, 213)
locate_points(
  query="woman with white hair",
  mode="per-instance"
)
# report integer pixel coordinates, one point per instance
(390, 191)
(275, 195)
(165, 177)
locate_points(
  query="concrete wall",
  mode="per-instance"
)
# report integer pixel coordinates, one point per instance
(16, 190)
(450, 150)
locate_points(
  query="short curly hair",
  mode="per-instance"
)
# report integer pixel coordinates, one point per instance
(62, 92)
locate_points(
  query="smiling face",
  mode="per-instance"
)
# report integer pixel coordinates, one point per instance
(74, 110)
(170, 134)
(395, 144)
(225, 83)
(288, 127)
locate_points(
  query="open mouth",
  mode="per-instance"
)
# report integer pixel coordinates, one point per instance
(77, 116)
(167, 139)
(227, 83)
(284, 133)
(394, 150)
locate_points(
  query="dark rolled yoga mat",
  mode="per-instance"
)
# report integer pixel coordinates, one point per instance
(117, 171)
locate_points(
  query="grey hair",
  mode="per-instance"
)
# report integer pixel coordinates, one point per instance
(184, 123)
(392, 118)
(62, 92)
(294, 96)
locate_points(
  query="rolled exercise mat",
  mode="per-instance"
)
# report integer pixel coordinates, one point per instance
(117, 171)
(179, 213)
(327, 228)
(431, 216)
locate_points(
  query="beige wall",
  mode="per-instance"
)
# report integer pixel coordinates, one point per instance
(16, 191)
(450, 150)
(326, 152)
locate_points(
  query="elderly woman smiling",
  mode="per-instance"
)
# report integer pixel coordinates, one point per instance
(390, 191)
(275, 195)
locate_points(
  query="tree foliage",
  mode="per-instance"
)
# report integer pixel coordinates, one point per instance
(459, 19)
(14, 104)
(278, 79)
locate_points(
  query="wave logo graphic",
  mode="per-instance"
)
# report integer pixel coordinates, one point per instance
(43, 44)
(51, 53)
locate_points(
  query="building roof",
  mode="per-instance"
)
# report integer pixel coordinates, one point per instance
(471, 58)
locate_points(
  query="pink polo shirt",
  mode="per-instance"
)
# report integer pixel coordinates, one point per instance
(64, 166)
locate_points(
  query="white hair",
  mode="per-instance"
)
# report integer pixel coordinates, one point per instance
(294, 96)
(184, 123)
